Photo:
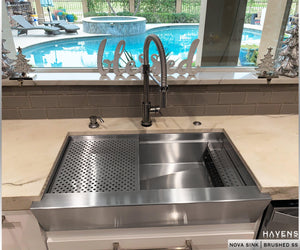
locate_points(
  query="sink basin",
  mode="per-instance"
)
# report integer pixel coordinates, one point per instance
(167, 163)
(170, 161)
(140, 180)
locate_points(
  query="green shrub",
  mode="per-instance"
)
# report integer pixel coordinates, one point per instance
(154, 17)
(185, 18)
(157, 6)
(249, 46)
(150, 17)
(169, 17)
(248, 18)
(91, 6)
(92, 13)
(75, 17)
(252, 56)
(102, 14)
(124, 13)
(252, 53)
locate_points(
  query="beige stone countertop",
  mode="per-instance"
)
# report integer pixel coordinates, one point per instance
(268, 144)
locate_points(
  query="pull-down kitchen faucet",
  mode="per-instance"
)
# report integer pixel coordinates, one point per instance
(147, 108)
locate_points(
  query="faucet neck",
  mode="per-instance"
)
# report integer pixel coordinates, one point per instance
(147, 108)
(162, 56)
(146, 69)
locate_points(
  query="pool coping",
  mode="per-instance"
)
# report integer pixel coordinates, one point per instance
(132, 18)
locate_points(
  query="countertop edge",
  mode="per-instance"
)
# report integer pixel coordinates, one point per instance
(281, 193)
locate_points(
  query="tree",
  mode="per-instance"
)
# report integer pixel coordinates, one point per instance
(137, 7)
(7, 68)
(109, 4)
(91, 5)
(22, 68)
(289, 55)
(266, 67)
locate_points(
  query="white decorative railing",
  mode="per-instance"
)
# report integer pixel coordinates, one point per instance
(184, 70)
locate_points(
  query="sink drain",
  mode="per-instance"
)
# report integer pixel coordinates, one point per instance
(197, 123)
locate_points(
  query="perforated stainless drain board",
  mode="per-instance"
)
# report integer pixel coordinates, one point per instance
(98, 164)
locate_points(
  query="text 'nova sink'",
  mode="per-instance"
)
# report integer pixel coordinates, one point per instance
(141, 180)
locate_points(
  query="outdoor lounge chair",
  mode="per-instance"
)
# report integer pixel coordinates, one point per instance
(69, 28)
(24, 26)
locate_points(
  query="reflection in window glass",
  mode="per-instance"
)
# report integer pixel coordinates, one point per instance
(287, 54)
(294, 11)
(254, 19)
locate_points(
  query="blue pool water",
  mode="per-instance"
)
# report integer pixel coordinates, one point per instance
(82, 52)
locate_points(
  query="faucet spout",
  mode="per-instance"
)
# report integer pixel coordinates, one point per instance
(147, 108)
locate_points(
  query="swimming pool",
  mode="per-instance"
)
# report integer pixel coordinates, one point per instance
(82, 52)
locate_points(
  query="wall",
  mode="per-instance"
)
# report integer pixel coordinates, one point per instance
(42, 102)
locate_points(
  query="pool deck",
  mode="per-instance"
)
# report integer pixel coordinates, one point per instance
(38, 36)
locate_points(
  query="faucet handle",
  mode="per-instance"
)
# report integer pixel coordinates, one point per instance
(100, 119)
(93, 121)
(163, 97)
(155, 110)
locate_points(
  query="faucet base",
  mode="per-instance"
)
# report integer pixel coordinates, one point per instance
(146, 121)
(146, 124)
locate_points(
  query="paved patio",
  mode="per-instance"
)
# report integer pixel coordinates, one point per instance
(39, 36)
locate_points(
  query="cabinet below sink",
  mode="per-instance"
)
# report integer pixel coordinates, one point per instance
(146, 180)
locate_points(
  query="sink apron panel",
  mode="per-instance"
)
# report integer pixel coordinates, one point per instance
(150, 208)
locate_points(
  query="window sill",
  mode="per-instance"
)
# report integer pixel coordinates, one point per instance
(205, 77)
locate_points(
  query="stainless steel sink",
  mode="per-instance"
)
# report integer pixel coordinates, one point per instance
(140, 180)
(167, 163)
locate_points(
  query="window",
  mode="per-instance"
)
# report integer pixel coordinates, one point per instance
(226, 40)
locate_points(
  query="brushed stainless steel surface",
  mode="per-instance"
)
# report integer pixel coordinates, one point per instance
(226, 170)
(172, 164)
(188, 246)
(149, 197)
(193, 178)
(238, 163)
(153, 170)
(170, 181)
(98, 164)
(168, 163)
(171, 151)
(148, 208)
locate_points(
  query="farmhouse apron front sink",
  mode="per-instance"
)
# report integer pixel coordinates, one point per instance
(143, 180)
